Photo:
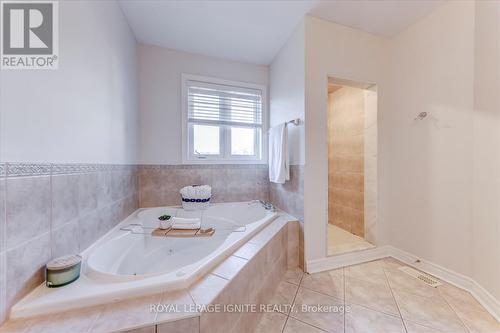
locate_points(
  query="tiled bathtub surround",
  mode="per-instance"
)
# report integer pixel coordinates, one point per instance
(49, 210)
(249, 275)
(289, 197)
(159, 184)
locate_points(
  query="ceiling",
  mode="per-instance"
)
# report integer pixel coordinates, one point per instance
(253, 31)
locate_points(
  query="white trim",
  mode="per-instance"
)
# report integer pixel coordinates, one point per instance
(346, 259)
(186, 158)
(486, 299)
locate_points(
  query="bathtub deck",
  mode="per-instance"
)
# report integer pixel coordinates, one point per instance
(249, 275)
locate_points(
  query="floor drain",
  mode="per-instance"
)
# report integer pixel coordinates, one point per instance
(425, 278)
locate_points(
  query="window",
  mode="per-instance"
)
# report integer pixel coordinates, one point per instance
(222, 121)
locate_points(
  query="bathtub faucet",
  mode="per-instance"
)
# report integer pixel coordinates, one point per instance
(266, 205)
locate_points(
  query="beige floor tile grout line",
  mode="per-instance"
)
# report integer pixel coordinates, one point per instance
(293, 301)
(409, 292)
(392, 289)
(394, 298)
(343, 285)
(454, 312)
(294, 298)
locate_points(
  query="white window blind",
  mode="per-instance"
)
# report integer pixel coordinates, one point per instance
(223, 121)
(216, 104)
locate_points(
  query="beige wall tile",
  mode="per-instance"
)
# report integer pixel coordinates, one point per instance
(65, 240)
(65, 200)
(27, 208)
(94, 225)
(160, 185)
(126, 314)
(230, 267)
(3, 288)
(58, 215)
(293, 234)
(184, 306)
(289, 196)
(207, 289)
(87, 192)
(346, 158)
(255, 283)
(78, 321)
(25, 267)
(104, 189)
(2, 215)
(247, 251)
(190, 325)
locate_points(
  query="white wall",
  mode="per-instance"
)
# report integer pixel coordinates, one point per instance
(430, 186)
(160, 70)
(345, 53)
(438, 179)
(86, 111)
(286, 77)
(486, 214)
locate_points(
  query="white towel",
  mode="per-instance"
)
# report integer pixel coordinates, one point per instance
(279, 165)
(186, 223)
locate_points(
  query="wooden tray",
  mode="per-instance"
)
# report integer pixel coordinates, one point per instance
(182, 232)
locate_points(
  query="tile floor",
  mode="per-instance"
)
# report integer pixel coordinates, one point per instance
(379, 298)
(342, 241)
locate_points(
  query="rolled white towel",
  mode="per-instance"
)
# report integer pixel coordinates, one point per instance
(186, 223)
(196, 192)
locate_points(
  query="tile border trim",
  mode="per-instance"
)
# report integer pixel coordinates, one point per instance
(46, 169)
(22, 169)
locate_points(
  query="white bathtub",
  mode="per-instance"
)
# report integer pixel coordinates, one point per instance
(130, 263)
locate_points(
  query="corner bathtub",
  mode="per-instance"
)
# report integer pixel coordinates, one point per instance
(129, 262)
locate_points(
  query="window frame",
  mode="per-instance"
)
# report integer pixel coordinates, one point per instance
(188, 156)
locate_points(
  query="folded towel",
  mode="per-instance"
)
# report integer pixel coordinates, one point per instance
(186, 223)
(279, 168)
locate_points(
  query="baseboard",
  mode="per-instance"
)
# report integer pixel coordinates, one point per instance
(486, 299)
(346, 259)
